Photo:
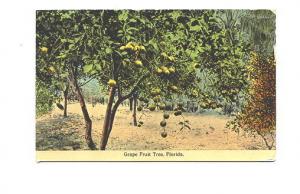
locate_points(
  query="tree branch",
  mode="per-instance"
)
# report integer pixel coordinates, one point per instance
(119, 90)
(135, 87)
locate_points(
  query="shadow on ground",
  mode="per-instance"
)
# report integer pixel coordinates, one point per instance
(59, 133)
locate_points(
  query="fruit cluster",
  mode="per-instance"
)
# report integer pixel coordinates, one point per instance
(132, 46)
(135, 50)
(163, 124)
(207, 103)
(163, 70)
(167, 57)
(155, 91)
(179, 109)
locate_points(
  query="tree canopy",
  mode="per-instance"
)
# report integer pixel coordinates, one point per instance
(201, 54)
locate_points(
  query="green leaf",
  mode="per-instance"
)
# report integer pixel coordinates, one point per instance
(132, 20)
(87, 68)
(154, 44)
(61, 56)
(193, 55)
(94, 71)
(195, 28)
(63, 86)
(108, 50)
(89, 43)
(98, 66)
(200, 49)
(64, 75)
(132, 29)
(119, 53)
(123, 16)
(71, 46)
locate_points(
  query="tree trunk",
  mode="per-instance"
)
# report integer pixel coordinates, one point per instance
(87, 119)
(66, 101)
(134, 110)
(113, 114)
(110, 123)
(193, 107)
(188, 106)
(111, 111)
(269, 146)
(130, 103)
(107, 119)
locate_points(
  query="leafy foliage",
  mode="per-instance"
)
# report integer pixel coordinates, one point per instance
(259, 114)
(259, 27)
(44, 98)
(158, 55)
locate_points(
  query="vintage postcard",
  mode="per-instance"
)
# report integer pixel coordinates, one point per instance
(155, 85)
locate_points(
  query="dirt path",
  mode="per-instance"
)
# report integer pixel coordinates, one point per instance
(53, 132)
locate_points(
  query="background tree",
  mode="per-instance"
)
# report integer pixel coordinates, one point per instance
(65, 37)
(258, 113)
(258, 116)
(45, 97)
(259, 29)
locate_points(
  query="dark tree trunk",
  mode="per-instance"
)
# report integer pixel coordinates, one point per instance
(188, 106)
(113, 114)
(134, 110)
(110, 123)
(193, 107)
(130, 104)
(87, 119)
(66, 101)
(112, 109)
(107, 119)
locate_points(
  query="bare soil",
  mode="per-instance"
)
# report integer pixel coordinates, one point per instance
(208, 132)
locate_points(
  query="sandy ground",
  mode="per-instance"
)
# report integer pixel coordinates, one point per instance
(53, 132)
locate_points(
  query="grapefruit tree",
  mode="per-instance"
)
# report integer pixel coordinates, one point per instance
(153, 55)
(156, 54)
(62, 40)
